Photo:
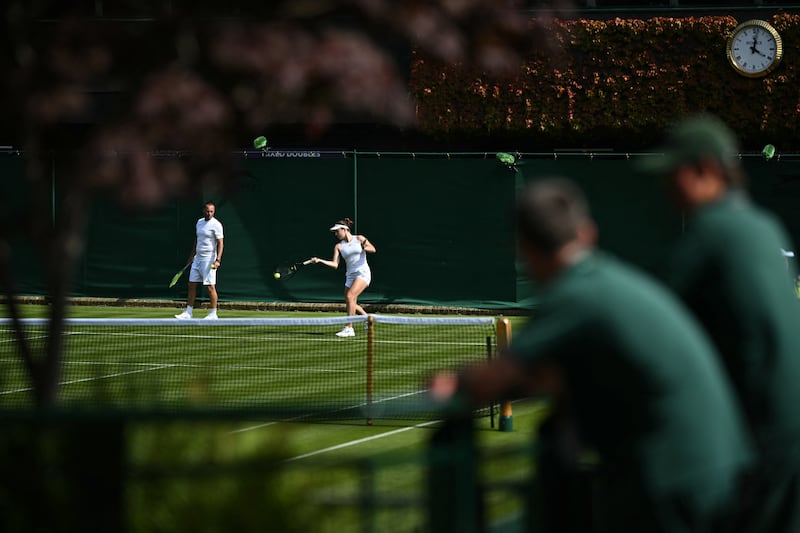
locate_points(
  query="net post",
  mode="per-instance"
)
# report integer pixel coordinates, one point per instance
(503, 326)
(370, 358)
(489, 360)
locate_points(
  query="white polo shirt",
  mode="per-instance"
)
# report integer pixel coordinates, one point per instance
(208, 231)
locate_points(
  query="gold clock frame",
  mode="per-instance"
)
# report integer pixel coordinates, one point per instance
(778, 47)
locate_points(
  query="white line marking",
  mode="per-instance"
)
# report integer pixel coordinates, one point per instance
(311, 415)
(249, 428)
(94, 378)
(373, 437)
(313, 336)
(360, 441)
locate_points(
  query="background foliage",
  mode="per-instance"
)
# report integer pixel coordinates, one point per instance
(102, 97)
(614, 83)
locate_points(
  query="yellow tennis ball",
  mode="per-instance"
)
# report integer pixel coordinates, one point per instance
(277, 275)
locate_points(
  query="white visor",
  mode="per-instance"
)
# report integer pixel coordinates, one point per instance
(787, 253)
(338, 226)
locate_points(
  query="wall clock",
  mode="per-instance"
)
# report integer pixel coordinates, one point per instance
(754, 48)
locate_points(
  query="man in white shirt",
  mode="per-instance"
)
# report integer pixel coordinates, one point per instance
(206, 258)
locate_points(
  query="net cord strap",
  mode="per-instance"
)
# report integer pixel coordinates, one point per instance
(309, 321)
(300, 321)
(434, 321)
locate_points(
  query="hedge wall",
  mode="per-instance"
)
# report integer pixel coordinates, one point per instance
(616, 84)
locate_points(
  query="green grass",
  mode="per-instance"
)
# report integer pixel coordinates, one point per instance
(326, 468)
(201, 364)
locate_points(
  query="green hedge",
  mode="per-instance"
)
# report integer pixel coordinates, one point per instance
(615, 83)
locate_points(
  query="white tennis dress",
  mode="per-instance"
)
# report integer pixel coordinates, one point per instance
(356, 260)
(207, 231)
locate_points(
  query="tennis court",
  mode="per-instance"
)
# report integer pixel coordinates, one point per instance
(291, 363)
(277, 405)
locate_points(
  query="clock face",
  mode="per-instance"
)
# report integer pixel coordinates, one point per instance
(754, 48)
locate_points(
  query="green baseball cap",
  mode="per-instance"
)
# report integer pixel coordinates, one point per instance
(692, 140)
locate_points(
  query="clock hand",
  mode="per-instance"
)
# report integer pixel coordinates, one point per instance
(753, 49)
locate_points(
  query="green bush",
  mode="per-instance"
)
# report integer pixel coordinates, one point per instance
(615, 83)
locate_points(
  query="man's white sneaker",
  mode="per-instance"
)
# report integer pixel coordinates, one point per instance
(211, 317)
(346, 332)
(183, 316)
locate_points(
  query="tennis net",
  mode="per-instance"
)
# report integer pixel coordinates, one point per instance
(293, 365)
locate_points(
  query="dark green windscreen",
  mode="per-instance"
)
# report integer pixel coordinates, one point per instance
(440, 224)
(16, 226)
(442, 230)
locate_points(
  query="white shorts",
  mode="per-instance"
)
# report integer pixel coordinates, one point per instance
(363, 273)
(202, 272)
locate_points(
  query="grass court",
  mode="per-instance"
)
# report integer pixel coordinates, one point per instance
(241, 400)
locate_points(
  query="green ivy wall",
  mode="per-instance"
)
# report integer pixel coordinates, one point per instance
(616, 84)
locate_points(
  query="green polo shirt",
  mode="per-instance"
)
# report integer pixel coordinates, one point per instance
(643, 381)
(729, 270)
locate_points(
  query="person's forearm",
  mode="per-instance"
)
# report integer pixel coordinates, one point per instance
(493, 382)
(334, 264)
(506, 379)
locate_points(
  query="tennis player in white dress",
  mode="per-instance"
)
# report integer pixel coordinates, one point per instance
(353, 249)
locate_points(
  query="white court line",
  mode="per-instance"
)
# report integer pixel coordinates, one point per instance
(205, 366)
(14, 340)
(301, 417)
(360, 441)
(316, 338)
(162, 366)
(287, 369)
(303, 370)
(93, 378)
(366, 439)
(259, 426)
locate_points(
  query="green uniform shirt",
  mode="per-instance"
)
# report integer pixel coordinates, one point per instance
(644, 384)
(730, 271)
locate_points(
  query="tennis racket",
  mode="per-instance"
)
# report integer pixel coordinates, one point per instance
(177, 276)
(288, 270)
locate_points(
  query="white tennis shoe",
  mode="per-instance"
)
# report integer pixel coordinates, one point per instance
(211, 317)
(183, 316)
(346, 332)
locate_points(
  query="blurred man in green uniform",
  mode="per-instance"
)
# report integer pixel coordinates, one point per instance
(730, 270)
(631, 376)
